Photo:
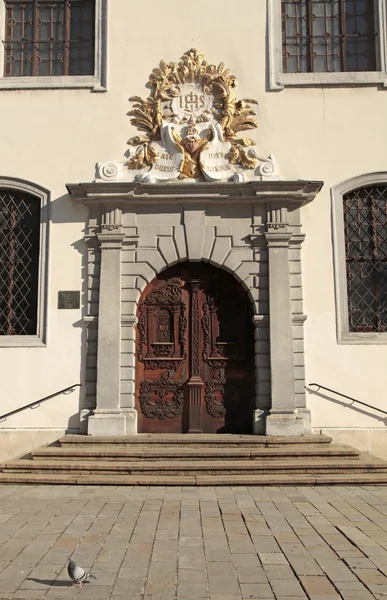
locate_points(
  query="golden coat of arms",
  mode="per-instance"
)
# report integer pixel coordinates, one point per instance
(191, 123)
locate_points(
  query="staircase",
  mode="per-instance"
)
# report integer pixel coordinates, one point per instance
(189, 459)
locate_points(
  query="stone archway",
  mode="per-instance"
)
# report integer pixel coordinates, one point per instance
(252, 230)
(195, 353)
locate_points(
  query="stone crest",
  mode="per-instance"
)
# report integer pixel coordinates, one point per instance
(190, 128)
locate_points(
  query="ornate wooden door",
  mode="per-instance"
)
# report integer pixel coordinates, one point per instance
(195, 358)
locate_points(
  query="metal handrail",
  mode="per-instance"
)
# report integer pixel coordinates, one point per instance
(36, 404)
(348, 398)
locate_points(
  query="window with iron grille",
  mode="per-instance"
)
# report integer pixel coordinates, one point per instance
(365, 229)
(19, 262)
(49, 38)
(328, 36)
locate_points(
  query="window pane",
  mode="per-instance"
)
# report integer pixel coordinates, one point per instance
(337, 35)
(295, 40)
(19, 256)
(18, 39)
(82, 38)
(365, 220)
(51, 59)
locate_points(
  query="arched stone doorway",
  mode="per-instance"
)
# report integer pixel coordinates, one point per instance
(252, 230)
(195, 353)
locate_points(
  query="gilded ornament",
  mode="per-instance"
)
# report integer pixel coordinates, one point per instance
(192, 108)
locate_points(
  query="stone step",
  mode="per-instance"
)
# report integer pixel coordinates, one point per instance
(365, 464)
(195, 460)
(188, 453)
(202, 480)
(191, 439)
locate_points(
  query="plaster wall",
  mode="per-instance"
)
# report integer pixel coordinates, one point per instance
(53, 137)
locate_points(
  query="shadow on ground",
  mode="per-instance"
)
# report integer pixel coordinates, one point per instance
(51, 582)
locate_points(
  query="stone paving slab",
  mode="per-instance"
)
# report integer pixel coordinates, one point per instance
(189, 543)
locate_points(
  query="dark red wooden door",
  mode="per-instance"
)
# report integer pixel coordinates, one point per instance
(195, 358)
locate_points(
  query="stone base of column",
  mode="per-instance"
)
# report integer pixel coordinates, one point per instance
(259, 421)
(107, 424)
(130, 415)
(306, 417)
(84, 415)
(285, 424)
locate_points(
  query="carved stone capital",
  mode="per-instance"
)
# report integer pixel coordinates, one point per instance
(110, 240)
(110, 227)
(299, 319)
(276, 215)
(129, 320)
(297, 240)
(111, 219)
(91, 320)
(278, 239)
(260, 321)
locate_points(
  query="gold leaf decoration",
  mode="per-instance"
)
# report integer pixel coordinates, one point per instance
(233, 115)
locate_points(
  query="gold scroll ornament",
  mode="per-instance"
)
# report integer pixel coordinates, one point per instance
(233, 115)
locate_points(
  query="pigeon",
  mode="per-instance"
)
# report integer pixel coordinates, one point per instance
(77, 574)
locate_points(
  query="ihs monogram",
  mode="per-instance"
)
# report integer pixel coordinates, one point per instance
(190, 117)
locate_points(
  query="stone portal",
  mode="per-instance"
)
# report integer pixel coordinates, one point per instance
(136, 232)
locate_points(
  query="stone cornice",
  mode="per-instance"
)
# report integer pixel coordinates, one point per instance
(284, 192)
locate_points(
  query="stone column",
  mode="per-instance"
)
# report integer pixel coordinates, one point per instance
(283, 418)
(108, 419)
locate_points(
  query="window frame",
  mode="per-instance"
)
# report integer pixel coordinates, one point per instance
(278, 80)
(39, 339)
(96, 82)
(344, 335)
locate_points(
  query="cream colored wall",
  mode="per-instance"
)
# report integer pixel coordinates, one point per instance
(54, 137)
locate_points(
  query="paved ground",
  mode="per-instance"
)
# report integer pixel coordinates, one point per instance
(222, 543)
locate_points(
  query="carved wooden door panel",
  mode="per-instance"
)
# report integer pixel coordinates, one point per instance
(195, 359)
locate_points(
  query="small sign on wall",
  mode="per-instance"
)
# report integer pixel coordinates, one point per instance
(69, 299)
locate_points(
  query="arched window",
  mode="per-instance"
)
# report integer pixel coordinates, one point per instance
(360, 212)
(22, 252)
(365, 229)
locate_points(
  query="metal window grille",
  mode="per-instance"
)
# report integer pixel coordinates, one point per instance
(19, 262)
(365, 222)
(49, 38)
(328, 36)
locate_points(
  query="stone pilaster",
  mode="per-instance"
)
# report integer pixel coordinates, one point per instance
(261, 336)
(108, 418)
(283, 418)
(129, 324)
(299, 372)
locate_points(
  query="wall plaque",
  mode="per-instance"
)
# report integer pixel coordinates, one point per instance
(69, 299)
